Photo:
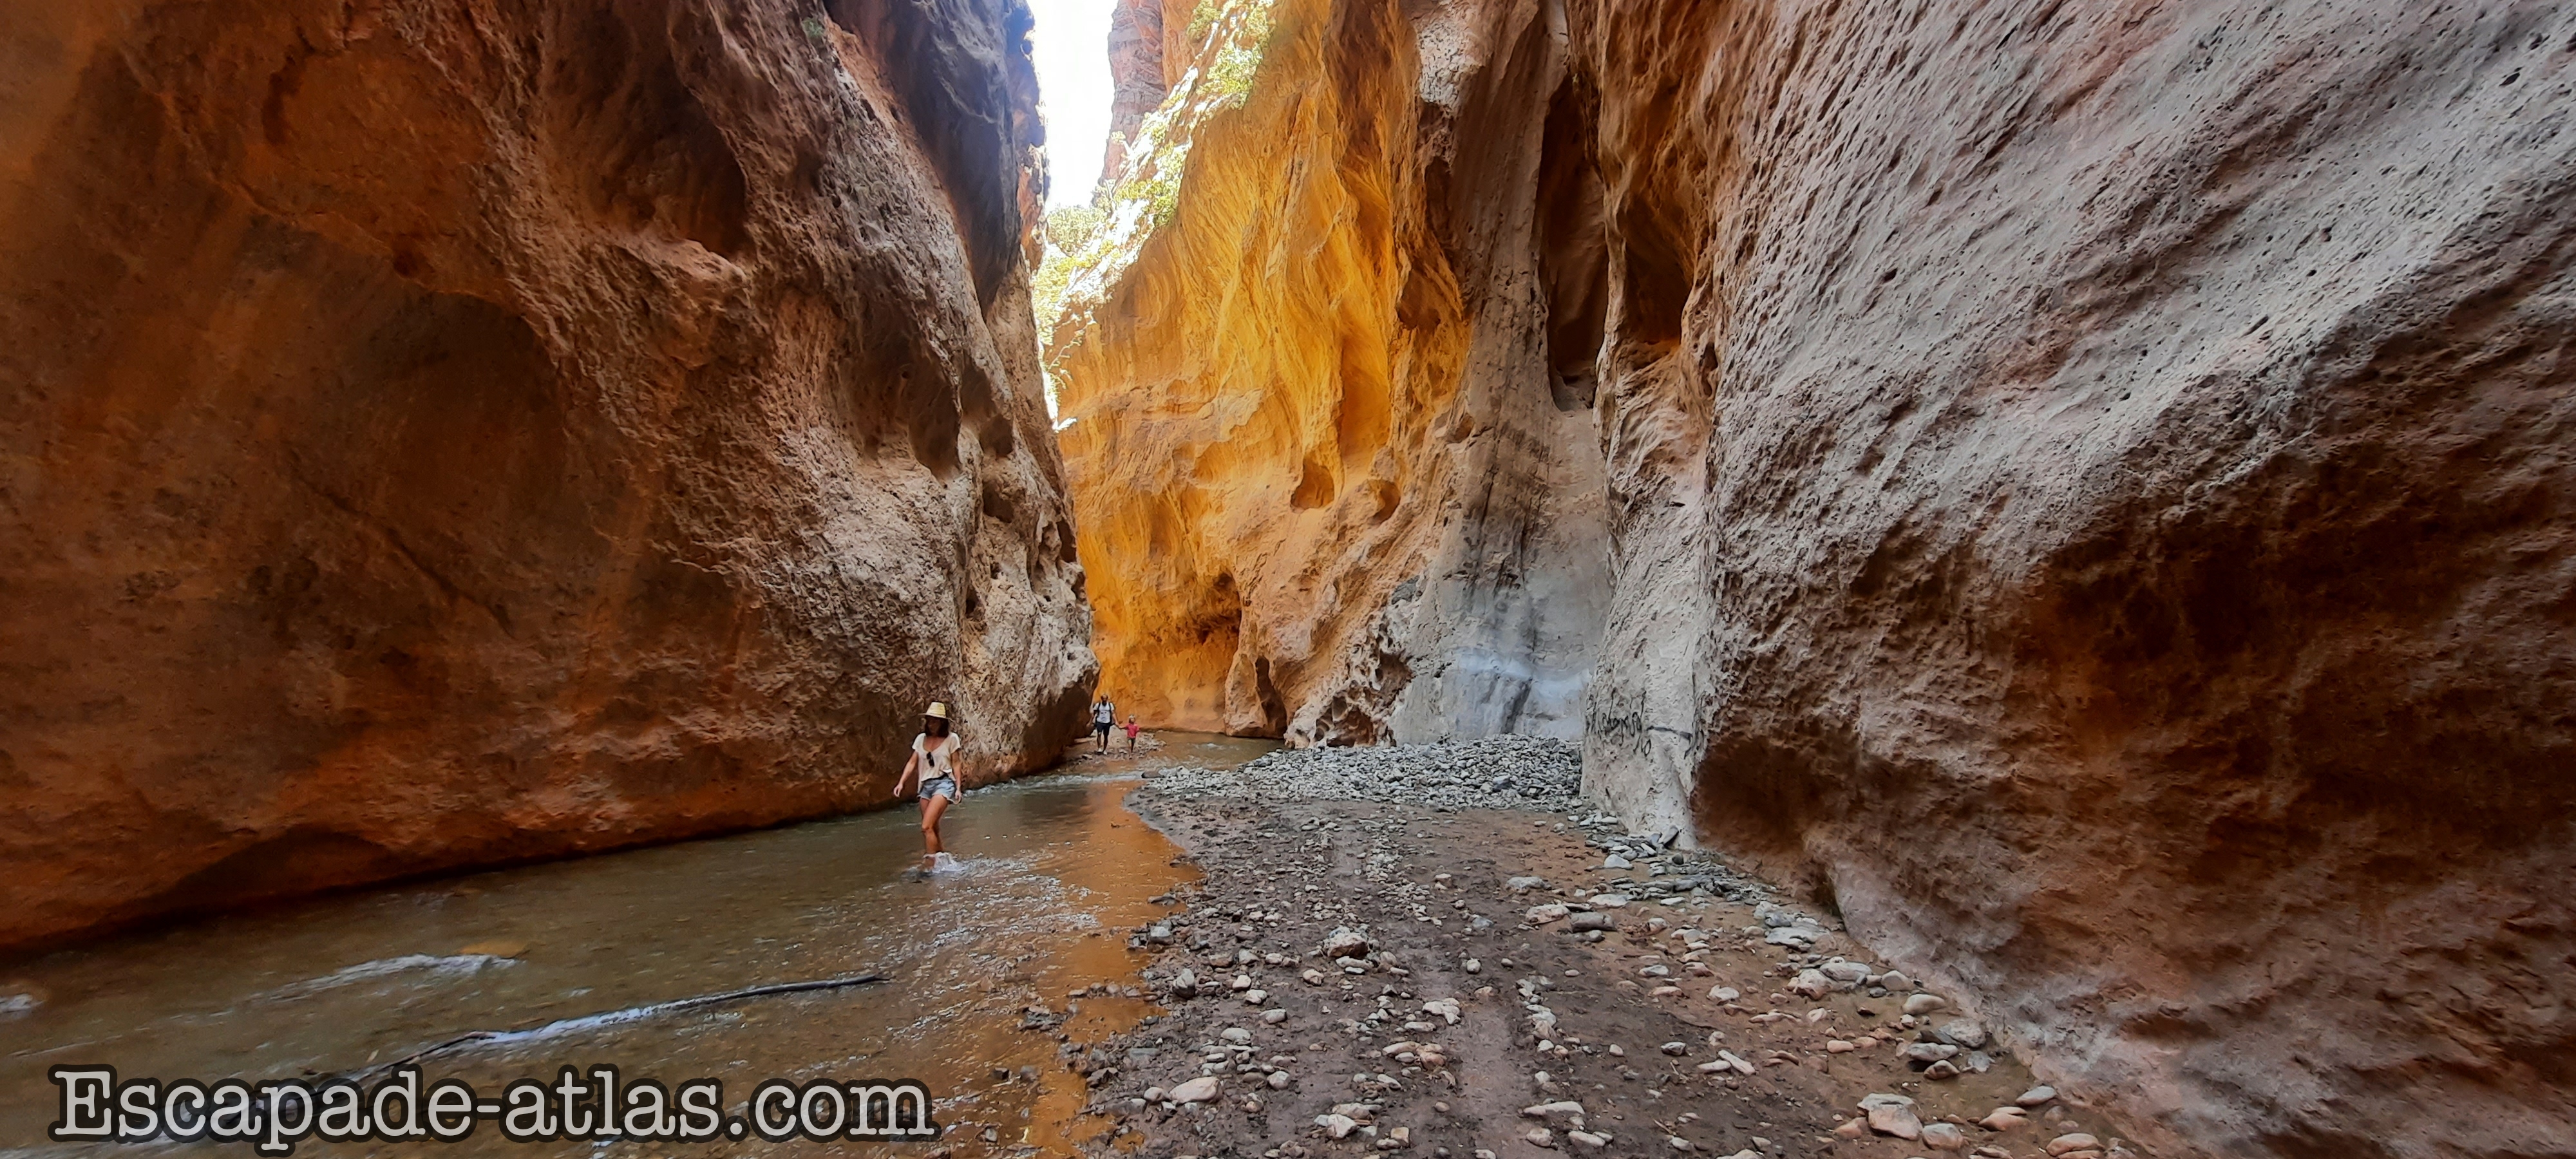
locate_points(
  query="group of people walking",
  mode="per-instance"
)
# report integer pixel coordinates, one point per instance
(932, 772)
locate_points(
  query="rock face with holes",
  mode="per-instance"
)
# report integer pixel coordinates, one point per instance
(1327, 482)
(2084, 485)
(2104, 513)
(432, 437)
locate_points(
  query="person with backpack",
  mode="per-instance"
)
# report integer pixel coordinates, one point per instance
(934, 765)
(1104, 715)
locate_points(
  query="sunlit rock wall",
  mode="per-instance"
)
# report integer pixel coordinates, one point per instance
(435, 435)
(2087, 492)
(1326, 485)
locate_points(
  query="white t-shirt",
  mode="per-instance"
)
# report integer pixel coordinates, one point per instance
(1104, 713)
(942, 763)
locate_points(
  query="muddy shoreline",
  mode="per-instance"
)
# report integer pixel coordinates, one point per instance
(1604, 1040)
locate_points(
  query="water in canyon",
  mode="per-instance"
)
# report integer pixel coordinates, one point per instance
(1050, 874)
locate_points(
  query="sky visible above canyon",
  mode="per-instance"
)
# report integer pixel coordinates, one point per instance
(1072, 51)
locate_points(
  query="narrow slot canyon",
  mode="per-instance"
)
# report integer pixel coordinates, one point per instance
(1678, 568)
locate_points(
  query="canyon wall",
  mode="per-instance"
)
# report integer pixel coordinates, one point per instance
(2084, 489)
(440, 434)
(1325, 487)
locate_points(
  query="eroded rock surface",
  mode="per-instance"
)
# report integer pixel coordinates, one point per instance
(1327, 486)
(432, 435)
(2084, 485)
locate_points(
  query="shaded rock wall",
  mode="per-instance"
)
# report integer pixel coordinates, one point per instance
(2085, 490)
(2119, 471)
(441, 434)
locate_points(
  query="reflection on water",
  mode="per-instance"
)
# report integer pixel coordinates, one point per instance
(1049, 872)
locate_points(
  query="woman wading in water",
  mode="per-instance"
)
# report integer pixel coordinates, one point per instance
(934, 762)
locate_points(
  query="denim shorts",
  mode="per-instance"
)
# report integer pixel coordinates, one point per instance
(941, 787)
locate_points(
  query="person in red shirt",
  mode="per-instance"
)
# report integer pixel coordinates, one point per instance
(1131, 734)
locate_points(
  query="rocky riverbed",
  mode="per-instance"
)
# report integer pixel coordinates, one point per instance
(1393, 950)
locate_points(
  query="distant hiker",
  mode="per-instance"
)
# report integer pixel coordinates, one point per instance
(1103, 715)
(934, 760)
(1131, 734)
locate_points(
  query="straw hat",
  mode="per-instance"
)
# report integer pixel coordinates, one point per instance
(938, 710)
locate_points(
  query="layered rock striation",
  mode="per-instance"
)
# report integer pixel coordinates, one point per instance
(2083, 488)
(432, 435)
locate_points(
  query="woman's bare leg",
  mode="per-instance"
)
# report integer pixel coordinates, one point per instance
(931, 809)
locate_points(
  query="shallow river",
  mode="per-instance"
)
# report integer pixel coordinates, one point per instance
(1051, 872)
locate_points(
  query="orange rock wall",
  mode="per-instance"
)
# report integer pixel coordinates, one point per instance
(2081, 487)
(1323, 490)
(442, 434)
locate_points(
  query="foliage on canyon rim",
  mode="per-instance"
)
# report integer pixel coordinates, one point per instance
(1086, 253)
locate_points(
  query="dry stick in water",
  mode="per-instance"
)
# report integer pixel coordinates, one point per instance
(613, 1017)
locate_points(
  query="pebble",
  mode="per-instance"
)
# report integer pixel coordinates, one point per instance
(1725, 993)
(1891, 1114)
(1198, 1090)
(1964, 1033)
(1486, 772)
(1274, 1017)
(1920, 1004)
(1944, 1069)
(1676, 1048)
(1848, 975)
(1540, 915)
(1944, 1137)
(1587, 1140)
(1279, 1080)
(2075, 1142)
(1525, 884)
(2005, 1119)
(1591, 921)
(1541, 1137)
(1614, 861)
(1236, 1035)
(2036, 1097)
(1345, 942)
